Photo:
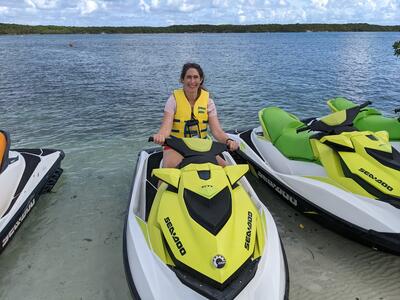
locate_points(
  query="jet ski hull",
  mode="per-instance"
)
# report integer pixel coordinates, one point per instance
(326, 204)
(40, 173)
(150, 278)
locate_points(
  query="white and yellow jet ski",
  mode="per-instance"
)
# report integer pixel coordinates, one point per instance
(344, 178)
(24, 175)
(203, 233)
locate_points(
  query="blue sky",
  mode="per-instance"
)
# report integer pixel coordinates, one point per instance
(170, 12)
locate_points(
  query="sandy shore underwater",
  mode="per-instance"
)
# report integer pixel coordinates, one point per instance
(70, 246)
(325, 265)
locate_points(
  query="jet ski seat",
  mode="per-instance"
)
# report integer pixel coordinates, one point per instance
(368, 118)
(4, 149)
(280, 128)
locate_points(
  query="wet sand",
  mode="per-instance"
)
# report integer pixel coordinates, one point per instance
(70, 246)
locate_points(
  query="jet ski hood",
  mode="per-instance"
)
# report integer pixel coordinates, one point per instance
(209, 223)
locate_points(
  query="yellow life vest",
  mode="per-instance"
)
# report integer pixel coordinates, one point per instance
(184, 115)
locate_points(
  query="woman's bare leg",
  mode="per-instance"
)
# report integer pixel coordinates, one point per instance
(221, 161)
(171, 158)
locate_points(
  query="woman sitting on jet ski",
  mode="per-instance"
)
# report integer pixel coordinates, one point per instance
(187, 113)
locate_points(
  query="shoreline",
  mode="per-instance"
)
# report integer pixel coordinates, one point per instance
(18, 29)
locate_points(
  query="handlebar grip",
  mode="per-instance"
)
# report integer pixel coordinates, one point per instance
(397, 110)
(365, 104)
(151, 139)
(302, 129)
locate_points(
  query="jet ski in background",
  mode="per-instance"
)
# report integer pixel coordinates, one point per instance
(371, 119)
(343, 178)
(24, 175)
(203, 233)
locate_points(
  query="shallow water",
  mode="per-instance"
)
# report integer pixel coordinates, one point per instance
(99, 100)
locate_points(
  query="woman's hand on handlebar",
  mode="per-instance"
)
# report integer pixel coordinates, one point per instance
(159, 138)
(232, 144)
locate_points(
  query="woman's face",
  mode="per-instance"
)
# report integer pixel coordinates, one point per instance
(192, 80)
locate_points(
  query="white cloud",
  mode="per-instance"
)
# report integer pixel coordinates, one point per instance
(4, 9)
(372, 4)
(155, 3)
(166, 12)
(185, 7)
(321, 4)
(87, 7)
(42, 4)
(144, 6)
(220, 3)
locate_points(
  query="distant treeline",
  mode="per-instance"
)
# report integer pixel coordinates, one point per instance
(27, 29)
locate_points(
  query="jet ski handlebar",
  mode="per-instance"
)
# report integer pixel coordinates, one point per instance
(365, 104)
(316, 124)
(397, 110)
(301, 129)
(308, 120)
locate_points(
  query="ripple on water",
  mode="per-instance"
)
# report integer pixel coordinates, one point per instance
(100, 100)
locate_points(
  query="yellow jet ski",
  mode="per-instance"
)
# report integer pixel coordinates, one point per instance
(203, 233)
(344, 178)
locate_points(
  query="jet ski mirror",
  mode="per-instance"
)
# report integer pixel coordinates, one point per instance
(168, 175)
(235, 172)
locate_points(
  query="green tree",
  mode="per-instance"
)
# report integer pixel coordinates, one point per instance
(396, 47)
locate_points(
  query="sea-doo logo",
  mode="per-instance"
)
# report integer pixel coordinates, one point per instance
(219, 261)
(207, 186)
(207, 190)
(278, 189)
(380, 181)
(16, 225)
(248, 232)
(171, 230)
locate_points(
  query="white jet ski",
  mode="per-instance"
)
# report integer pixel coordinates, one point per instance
(346, 179)
(203, 233)
(24, 175)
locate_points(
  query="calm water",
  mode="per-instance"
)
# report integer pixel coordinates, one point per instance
(101, 98)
